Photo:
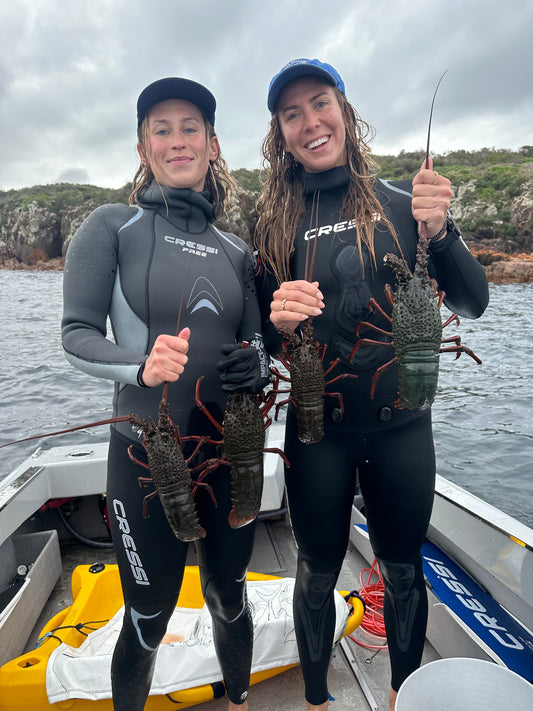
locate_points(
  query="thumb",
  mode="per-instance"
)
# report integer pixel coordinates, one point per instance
(428, 164)
(185, 333)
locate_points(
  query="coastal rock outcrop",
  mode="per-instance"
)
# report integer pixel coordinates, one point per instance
(31, 234)
(494, 210)
(512, 271)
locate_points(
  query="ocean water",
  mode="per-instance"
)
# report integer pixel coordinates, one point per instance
(482, 413)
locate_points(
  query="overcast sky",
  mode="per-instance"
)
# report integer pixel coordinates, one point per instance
(71, 71)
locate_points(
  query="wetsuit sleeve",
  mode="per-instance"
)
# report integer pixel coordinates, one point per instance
(459, 275)
(89, 278)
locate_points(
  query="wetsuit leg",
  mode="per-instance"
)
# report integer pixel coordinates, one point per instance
(151, 577)
(397, 481)
(320, 489)
(223, 557)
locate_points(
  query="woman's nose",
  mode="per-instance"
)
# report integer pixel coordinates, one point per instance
(311, 120)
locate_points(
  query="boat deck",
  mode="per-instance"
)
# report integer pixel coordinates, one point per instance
(358, 678)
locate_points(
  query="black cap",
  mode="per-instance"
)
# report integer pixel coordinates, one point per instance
(176, 88)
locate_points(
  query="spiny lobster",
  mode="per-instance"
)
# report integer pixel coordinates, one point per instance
(303, 357)
(416, 333)
(168, 467)
(243, 431)
(245, 421)
(169, 472)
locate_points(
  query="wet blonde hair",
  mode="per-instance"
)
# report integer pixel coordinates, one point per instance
(218, 181)
(281, 204)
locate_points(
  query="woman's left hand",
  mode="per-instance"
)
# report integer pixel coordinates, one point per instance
(432, 194)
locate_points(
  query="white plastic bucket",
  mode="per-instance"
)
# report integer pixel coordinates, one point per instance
(464, 684)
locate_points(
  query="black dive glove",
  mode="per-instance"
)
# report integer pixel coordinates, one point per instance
(240, 370)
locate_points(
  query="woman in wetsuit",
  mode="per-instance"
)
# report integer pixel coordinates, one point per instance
(321, 195)
(175, 289)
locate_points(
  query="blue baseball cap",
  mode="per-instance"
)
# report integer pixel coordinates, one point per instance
(302, 68)
(176, 88)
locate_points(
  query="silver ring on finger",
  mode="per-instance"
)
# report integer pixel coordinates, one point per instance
(282, 305)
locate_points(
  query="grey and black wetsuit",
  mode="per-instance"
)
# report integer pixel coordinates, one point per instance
(390, 450)
(143, 266)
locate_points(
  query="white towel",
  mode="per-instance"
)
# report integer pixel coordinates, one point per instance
(84, 673)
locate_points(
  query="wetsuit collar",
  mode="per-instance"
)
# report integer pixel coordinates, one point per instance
(188, 206)
(327, 180)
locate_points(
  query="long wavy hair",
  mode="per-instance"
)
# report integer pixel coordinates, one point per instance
(281, 204)
(218, 181)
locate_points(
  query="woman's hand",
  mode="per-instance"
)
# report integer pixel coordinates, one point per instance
(431, 198)
(167, 359)
(295, 301)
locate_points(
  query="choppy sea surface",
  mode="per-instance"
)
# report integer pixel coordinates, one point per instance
(482, 413)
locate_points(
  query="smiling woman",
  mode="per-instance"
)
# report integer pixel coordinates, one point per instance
(312, 124)
(176, 143)
(325, 225)
(181, 300)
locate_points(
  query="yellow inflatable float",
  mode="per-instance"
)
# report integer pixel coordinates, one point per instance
(70, 667)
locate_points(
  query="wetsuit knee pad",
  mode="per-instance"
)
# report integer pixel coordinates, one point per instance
(314, 606)
(402, 593)
(146, 623)
(226, 599)
(317, 586)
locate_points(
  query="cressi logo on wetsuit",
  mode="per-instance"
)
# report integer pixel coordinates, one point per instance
(334, 229)
(188, 245)
(134, 559)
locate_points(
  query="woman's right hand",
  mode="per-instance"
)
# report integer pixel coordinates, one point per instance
(294, 302)
(167, 359)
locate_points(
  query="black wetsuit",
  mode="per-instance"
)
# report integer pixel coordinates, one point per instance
(142, 266)
(388, 450)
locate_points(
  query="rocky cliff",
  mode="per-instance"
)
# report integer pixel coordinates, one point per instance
(493, 208)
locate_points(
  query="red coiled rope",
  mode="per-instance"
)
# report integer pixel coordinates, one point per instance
(372, 594)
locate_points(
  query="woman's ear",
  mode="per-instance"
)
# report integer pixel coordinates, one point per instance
(142, 156)
(215, 149)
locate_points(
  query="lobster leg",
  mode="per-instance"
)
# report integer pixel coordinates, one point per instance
(200, 405)
(367, 342)
(373, 304)
(379, 372)
(462, 349)
(453, 317)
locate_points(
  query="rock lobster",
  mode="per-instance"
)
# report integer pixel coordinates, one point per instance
(243, 431)
(168, 467)
(244, 434)
(416, 332)
(303, 358)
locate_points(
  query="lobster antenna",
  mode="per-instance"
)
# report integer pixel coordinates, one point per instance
(431, 116)
(183, 293)
(164, 395)
(309, 265)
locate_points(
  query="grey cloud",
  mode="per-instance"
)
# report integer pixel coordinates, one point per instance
(70, 74)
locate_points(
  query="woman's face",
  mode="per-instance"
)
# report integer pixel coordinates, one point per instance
(312, 124)
(179, 150)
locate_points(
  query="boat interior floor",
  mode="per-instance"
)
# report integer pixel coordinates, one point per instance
(359, 677)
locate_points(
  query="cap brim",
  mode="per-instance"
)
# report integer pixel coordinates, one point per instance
(176, 88)
(291, 73)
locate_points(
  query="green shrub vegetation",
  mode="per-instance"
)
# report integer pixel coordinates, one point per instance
(496, 175)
